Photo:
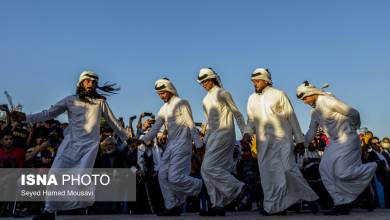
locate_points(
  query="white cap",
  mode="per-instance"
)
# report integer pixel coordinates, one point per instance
(306, 89)
(165, 84)
(209, 73)
(262, 74)
(206, 74)
(88, 74)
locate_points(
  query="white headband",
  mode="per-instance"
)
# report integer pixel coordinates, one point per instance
(262, 74)
(165, 84)
(306, 89)
(208, 73)
(88, 75)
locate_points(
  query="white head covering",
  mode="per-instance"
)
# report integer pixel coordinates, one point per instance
(263, 74)
(88, 74)
(208, 73)
(306, 89)
(165, 84)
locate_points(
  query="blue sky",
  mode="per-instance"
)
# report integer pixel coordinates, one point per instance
(44, 45)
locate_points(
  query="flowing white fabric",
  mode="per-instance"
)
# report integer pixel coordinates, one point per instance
(175, 165)
(272, 117)
(341, 169)
(220, 137)
(81, 142)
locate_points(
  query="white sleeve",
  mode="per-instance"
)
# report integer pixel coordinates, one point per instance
(154, 130)
(206, 116)
(292, 118)
(311, 133)
(55, 110)
(250, 125)
(342, 108)
(236, 112)
(114, 124)
(187, 117)
(206, 123)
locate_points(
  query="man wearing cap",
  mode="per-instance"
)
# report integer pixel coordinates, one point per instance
(272, 117)
(175, 165)
(341, 168)
(220, 137)
(81, 143)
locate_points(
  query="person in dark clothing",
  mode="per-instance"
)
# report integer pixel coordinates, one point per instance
(381, 178)
(20, 135)
(10, 157)
(311, 172)
(248, 172)
(111, 157)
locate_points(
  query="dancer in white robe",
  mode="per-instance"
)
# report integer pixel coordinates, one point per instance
(175, 165)
(219, 109)
(272, 117)
(81, 142)
(341, 168)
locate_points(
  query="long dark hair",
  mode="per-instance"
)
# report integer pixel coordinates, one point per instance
(216, 82)
(105, 90)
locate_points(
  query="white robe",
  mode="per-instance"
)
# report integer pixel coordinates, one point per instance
(220, 138)
(81, 142)
(272, 117)
(175, 165)
(341, 169)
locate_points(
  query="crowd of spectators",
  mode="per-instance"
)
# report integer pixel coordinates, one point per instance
(35, 146)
